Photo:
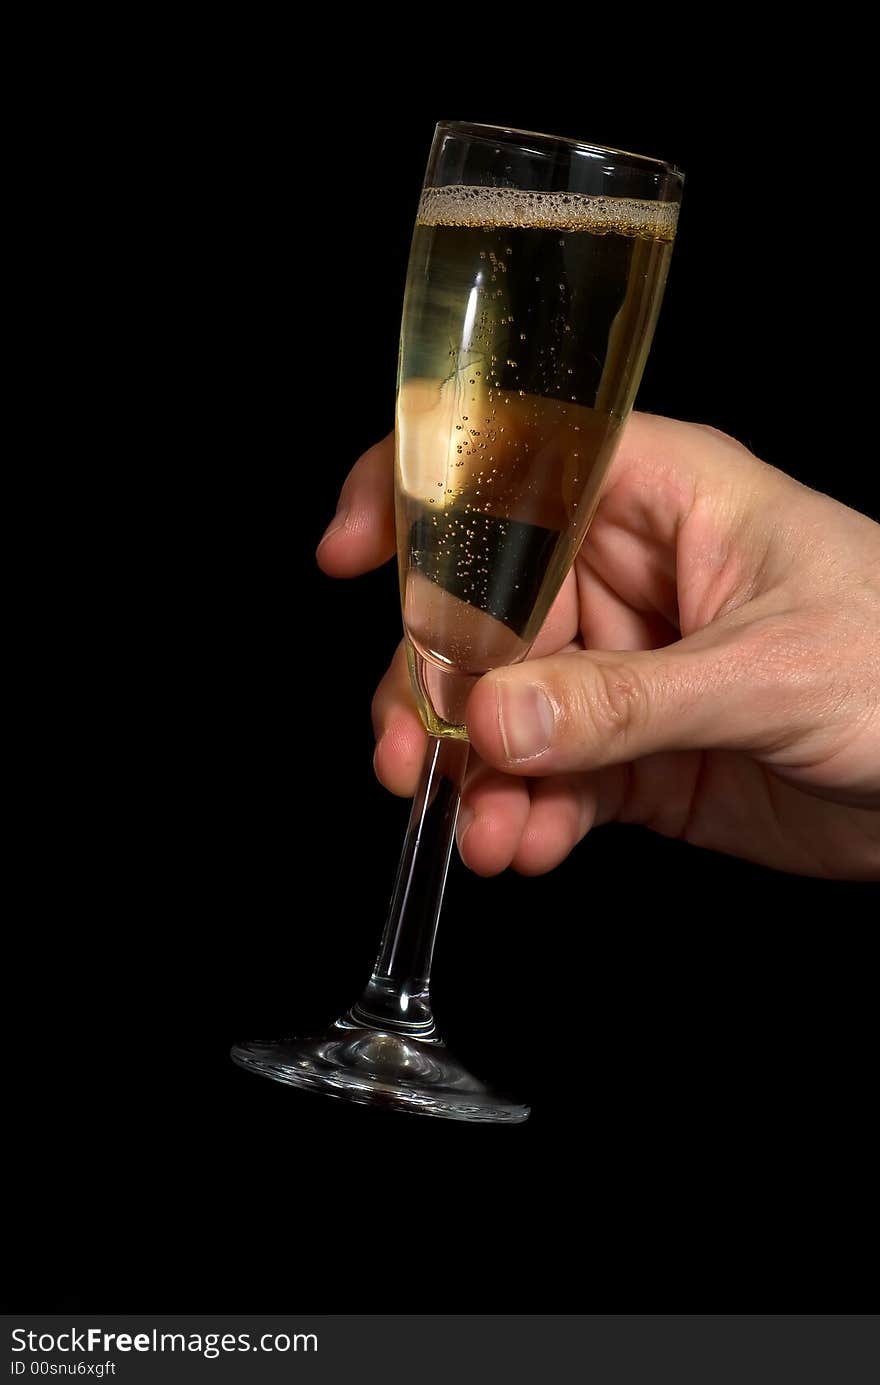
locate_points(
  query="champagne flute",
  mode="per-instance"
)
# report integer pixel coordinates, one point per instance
(535, 278)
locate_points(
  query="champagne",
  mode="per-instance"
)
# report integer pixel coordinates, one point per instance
(527, 321)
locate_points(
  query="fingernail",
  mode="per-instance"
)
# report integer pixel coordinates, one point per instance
(337, 522)
(525, 717)
(465, 818)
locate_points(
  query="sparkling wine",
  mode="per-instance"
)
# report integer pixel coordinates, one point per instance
(527, 321)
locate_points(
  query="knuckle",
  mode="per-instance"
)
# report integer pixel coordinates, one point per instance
(717, 433)
(726, 440)
(611, 701)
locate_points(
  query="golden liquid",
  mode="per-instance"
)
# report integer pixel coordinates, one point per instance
(526, 325)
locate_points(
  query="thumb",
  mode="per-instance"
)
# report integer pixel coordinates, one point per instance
(720, 688)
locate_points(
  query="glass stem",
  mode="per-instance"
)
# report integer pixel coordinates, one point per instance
(397, 995)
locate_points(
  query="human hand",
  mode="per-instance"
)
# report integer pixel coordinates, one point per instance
(739, 708)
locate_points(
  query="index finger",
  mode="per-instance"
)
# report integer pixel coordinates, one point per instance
(361, 534)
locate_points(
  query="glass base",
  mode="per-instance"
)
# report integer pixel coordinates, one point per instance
(378, 1067)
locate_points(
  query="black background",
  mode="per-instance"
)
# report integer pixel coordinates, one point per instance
(692, 1032)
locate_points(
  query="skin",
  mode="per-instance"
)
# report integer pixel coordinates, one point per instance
(740, 707)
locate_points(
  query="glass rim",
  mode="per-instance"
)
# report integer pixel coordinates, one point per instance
(511, 135)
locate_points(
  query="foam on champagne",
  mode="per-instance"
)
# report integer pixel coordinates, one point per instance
(494, 208)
